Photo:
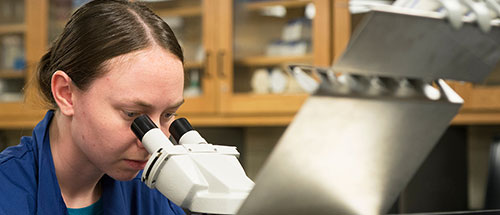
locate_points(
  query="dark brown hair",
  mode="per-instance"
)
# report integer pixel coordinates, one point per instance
(99, 31)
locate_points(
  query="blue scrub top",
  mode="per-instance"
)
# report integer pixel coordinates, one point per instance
(28, 183)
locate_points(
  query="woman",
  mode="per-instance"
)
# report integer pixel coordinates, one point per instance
(114, 61)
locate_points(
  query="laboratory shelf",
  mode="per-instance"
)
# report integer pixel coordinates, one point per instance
(193, 65)
(477, 118)
(239, 120)
(285, 103)
(256, 61)
(11, 74)
(252, 6)
(19, 115)
(12, 28)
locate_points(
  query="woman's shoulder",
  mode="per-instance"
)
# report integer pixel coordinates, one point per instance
(21, 152)
(17, 177)
(18, 164)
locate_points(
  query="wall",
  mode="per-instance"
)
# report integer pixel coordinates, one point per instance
(440, 184)
(259, 142)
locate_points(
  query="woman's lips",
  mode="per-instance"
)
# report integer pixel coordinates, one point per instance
(135, 164)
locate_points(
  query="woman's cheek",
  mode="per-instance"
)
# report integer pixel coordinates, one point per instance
(118, 134)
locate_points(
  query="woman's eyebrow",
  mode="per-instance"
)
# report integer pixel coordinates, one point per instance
(144, 104)
(178, 104)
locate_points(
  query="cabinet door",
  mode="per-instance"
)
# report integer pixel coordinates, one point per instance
(255, 42)
(12, 50)
(22, 24)
(191, 21)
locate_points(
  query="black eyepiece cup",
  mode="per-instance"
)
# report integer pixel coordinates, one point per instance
(141, 125)
(179, 127)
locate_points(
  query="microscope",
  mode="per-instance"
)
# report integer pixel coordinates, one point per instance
(194, 174)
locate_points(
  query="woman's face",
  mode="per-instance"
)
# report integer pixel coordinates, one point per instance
(148, 82)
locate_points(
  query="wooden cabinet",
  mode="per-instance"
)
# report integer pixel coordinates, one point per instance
(235, 37)
(244, 48)
(28, 24)
(239, 45)
(226, 42)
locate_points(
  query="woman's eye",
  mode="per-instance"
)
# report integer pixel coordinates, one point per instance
(169, 115)
(131, 114)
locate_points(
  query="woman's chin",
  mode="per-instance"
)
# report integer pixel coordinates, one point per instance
(124, 176)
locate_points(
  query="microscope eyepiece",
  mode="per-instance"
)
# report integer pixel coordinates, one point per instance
(179, 127)
(141, 125)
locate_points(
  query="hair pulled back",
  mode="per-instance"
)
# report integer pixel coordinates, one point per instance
(99, 31)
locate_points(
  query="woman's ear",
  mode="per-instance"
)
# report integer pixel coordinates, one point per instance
(63, 92)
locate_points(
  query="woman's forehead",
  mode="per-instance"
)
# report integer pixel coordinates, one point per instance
(149, 59)
(149, 70)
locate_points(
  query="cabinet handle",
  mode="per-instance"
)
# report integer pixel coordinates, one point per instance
(207, 69)
(220, 64)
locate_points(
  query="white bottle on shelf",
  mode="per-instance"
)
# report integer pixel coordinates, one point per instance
(12, 51)
(260, 81)
(278, 80)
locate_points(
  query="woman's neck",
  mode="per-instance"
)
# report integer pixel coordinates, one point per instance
(78, 178)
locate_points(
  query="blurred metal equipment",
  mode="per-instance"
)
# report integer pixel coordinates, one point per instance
(349, 155)
(394, 43)
(493, 185)
(373, 117)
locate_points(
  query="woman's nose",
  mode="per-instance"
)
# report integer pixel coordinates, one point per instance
(156, 120)
(139, 144)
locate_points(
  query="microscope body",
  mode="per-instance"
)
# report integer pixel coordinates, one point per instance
(195, 175)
